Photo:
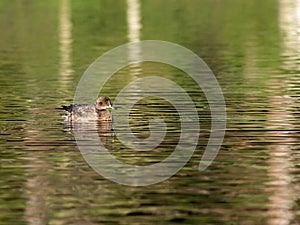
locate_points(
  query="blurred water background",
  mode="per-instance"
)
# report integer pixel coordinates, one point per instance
(251, 46)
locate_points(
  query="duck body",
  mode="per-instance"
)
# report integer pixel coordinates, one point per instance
(89, 112)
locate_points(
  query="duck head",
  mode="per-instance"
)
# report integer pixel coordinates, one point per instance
(103, 103)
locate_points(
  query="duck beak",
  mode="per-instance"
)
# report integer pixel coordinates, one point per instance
(107, 107)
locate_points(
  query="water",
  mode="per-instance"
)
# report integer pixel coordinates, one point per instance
(251, 46)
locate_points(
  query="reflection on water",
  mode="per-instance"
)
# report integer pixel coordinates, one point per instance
(253, 49)
(281, 201)
(65, 40)
(133, 20)
(103, 130)
(37, 192)
(281, 120)
(134, 28)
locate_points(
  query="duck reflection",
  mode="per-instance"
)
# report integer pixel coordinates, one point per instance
(88, 130)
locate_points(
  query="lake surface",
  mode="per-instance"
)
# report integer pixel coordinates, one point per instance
(253, 49)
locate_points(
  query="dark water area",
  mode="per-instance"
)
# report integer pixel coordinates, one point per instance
(253, 49)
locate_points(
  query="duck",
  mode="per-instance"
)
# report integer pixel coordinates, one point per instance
(89, 112)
